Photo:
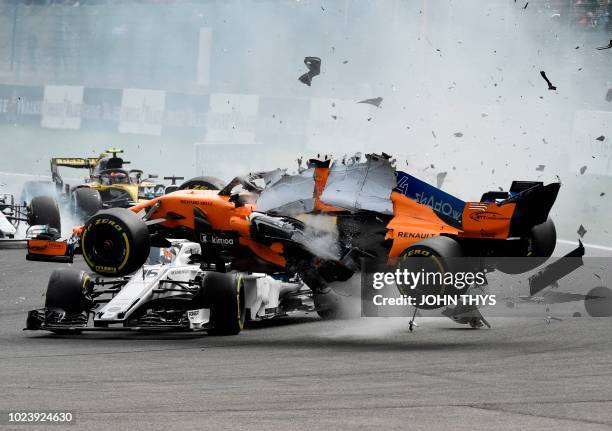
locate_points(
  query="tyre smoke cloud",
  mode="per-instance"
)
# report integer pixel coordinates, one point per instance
(459, 82)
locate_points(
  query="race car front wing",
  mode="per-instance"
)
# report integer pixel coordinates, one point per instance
(55, 320)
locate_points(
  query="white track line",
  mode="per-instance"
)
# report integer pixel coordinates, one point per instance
(14, 174)
(600, 247)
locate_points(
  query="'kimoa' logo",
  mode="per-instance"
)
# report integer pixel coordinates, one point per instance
(204, 238)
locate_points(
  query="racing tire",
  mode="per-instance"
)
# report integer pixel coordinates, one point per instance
(598, 302)
(224, 295)
(43, 210)
(68, 289)
(115, 242)
(438, 254)
(202, 183)
(543, 238)
(86, 202)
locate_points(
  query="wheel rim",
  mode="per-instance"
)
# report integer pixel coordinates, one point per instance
(107, 248)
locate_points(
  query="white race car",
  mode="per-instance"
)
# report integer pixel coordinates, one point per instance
(172, 293)
(8, 228)
(41, 211)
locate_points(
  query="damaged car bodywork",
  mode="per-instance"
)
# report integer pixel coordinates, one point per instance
(321, 222)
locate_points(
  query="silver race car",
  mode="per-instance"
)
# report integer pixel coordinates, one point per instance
(172, 292)
(41, 211)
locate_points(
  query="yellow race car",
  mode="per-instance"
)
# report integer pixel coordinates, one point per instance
(109, 184)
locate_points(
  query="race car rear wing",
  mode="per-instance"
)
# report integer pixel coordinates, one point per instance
(72, 162)
(533, 204)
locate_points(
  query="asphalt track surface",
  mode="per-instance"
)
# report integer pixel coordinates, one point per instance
(303, 373)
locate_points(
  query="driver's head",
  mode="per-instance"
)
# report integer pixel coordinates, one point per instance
(118, 178)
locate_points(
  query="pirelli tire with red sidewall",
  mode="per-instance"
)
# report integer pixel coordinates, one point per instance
(115, 242)
(438, 254)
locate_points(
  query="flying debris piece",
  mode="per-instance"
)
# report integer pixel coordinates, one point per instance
(550, 86)
(583, 170)
(545, 141)
(434, 134)
(602, 194)
(314, 68)
(526, 4)
(484, 114)
(581, 231)
(375, 101)
(345, 62)
(577, 47)
(432, 166)
(440, 179)
(335, 117)
(609, 95)
(540, 168)
(601, 138)
(458, 135)
(553, 272)
(608, 46)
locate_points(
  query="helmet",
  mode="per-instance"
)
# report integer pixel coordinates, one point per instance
(119, 178)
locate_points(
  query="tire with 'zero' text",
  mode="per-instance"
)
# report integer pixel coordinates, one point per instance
(115, 242)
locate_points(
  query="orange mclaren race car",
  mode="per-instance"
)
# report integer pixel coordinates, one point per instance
(318, 224)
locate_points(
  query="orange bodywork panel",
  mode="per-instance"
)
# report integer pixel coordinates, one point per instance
(487, 220)
(413, 222)
(47, 248)
(222, 214)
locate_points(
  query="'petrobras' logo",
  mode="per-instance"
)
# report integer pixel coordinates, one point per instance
(426, 194)
(439, 206)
